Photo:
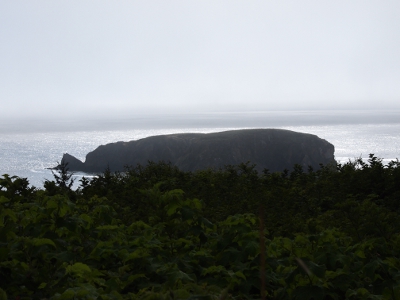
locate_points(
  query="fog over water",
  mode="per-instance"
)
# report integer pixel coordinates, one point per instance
(261, 119)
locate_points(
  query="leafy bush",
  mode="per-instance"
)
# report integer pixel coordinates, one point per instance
(159, 233)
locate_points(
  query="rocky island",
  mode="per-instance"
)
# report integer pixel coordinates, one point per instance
(273, 149)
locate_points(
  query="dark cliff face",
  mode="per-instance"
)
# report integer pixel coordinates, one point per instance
(273, 149)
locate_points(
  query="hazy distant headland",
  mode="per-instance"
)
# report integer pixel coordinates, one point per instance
(272, 149)
(252, 119)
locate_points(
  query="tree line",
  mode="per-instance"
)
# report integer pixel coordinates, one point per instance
(156, 232)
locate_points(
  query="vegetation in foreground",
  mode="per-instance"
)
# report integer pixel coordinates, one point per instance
(155, 232)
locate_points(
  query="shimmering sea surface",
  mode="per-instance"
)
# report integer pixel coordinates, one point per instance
(28, 154)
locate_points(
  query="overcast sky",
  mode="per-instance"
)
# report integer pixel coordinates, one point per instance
(122, 58)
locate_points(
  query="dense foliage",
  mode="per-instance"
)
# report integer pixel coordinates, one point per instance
(156, 232)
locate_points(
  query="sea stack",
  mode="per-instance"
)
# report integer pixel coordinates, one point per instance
(272, 149)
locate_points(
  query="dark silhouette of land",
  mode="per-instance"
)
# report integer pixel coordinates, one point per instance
(272, 149)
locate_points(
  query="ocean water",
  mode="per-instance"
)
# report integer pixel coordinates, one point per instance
(27, 150)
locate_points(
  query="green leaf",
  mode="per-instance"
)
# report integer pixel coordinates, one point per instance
(181, 294)
(138, 253)
(68, 294)
(360, 253)
(7, 212)
(178, 274)
(78, 269)
(88, 220)
(132, 278)
(4, 199)
(317, 270)
(187, 213)
(197, 204)
(107, 227)
(214, 269)
(206, 222)
(171, 209)
(358, 292)
(43, 241)
(252, 248)
(51, 203)
(3, 294)
(137, 226)
(370, 268)
(42, 285)
(240, 275)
